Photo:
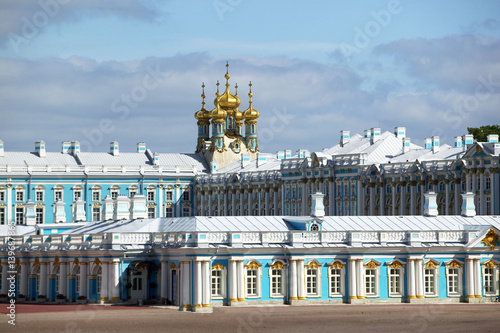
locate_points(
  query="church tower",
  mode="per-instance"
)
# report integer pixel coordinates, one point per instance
(227, 143)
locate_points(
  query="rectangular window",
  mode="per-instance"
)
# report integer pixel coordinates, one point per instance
(96, 196)
(2, 215)
(395, 282)
(96, 213)
(114, 194)
(19, 215)
(335, 281)
(430, 281)
(77, 195)
(2, 195)
(77, 283)
(186, 211)
(252, 282)
(185, 195)
(98, 283)
(169, 212)
(488, 183)
(20, 196)
(132, 193)
(39, 195)
(370, 282)
(489, 287)
(151, 195)
(453, 281)
(277, 282)
(58, 195)
(217, 282)
(151, 213)
(311, 281)
(39, 215)
(169, 195)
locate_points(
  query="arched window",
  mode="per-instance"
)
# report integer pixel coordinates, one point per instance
(36, 272)
(99, 280)
(57, 278)
(76, 272)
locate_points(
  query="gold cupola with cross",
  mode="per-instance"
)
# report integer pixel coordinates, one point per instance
(225, 141)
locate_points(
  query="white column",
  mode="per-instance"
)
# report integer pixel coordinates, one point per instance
(360, 284)
(207, 290)
(23, 288)
(372, 199)
(115, 281)
(352, 279)
(186, 287)
(360, 198)
(4, 268)
(43, 279)
(105, 281)
(198, 287)
(482, 200)
(447, 198)
(164, 280)
(241, 281)
(63, 278)
(276, 201)
(419, 278)
(9, 205)
(477, 279)
(293, 280)
(331, 197)
(411, 279)
(233, 281)
(469, 280)
(266, 199)
(301, 285)
(83, 279)
(161, 202)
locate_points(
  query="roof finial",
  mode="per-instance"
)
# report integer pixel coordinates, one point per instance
(250, 93)
(203, 94)
(217, 87)
(236, 89)
(227, 76)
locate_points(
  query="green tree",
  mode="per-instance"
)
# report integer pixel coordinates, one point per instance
(480, 133)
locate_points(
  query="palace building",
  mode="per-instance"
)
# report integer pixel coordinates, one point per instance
(374, 218)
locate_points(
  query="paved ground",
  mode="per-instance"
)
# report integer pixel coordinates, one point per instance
(334, 318)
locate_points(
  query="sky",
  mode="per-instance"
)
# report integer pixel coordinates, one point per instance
(131, 71)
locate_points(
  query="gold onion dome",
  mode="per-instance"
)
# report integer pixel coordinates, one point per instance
(250, 113)
(238, 115)
(228, 100)
(203, 114)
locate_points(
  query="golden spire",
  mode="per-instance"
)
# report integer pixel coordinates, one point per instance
(203, 114)
(250, 113)
(203, 95)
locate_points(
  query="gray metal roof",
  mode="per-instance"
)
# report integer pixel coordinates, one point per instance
(26, 158)
(109, 159)
(277, 223)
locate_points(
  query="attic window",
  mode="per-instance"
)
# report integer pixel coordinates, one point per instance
(314, 227)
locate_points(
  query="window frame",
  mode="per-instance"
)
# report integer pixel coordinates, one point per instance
(169, 195)
(169, 210)
(434, 266)
(96, 195)
(372, 266)
(222, 278)
(40, 193)
(3, 195)
(398, 274)
(340, 266)
(454, 264)
(39, 215)
(19, 210)
(277, 265)
(253, 266)
(58, 195)
(313, 266)
(494, 266)
(19, 195)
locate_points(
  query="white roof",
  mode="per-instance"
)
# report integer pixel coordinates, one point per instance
(26, 158)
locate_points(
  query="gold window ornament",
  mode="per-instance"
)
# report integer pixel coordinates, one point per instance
(490, 239)
(371, 264)
(337, 265)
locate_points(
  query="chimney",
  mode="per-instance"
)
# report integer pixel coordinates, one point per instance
(496, 149)
(368, 133)
(245, 159)
(492, 138)
(156, 159)
(141, 147)
(375, 135)
(2, 152)
(344, 138)
(317, 207)
(458, 142)
(302, 153)
(430, 205)
(468, 140)
(40, 148)
(406, 145)
(280, 154)
(435, 144)
(427, 143)
(468, 207)
(65, 147)
(113, 148)
(288, 153)
(400, 132)
(75, 147)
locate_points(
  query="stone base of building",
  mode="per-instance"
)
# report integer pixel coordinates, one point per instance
(356, 301)
(203, 309)
(475, 300)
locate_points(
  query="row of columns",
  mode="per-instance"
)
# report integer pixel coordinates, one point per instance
(208, 205)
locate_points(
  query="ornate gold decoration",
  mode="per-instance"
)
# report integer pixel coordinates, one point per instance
(371, 264)
(252, 265)
(454, 264)
(217, 266)
(396, 265)
(56, 261)
(97, 261)
(490, 239)
(337, 265)
(431, 264)
(37, 261)
(277, 265)
(312, 265)
(172, 266)
(491, 264)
